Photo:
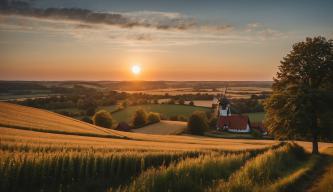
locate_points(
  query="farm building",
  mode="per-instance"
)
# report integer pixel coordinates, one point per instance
(232, 123)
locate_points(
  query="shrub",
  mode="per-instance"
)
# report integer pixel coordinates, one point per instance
(153, 117)
(124, 104)
(182, 118)
(181, 101)
(103, 118)
(213, 122)
(172, 101)
(191, 103)
(87, 119)
(256, 134)
(139, 118)
(198, 123)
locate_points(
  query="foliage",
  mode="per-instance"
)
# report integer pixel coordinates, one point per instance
(198, 123)
(181, 101)
(246, 106)
(213, 122)
(181, 118)
(302, 90)
(103, 119)
(172, 101)
(153, 117)
(139, 118)
(87, 119)
(256, 134)
(178, 118)
(91, 111)
(124, 104)
(191, 103)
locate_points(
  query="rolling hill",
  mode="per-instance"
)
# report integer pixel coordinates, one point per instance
(22, 117)
(44, 151)
(26, 121)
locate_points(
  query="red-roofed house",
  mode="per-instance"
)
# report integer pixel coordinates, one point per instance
(234, 123)
(228, 122)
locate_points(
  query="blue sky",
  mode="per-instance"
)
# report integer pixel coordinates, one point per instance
(171, 40)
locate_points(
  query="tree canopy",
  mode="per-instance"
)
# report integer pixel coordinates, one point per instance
(198, 123)
(303, 93)
(103, 118)
(139, 118)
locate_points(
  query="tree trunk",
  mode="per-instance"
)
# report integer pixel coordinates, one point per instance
(314, 135)
(315, 145)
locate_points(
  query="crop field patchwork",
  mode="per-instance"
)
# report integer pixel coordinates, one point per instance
(39, 159)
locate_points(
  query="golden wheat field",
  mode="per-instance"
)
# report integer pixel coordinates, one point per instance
(37, 119)
(41, 120)
(44, 151)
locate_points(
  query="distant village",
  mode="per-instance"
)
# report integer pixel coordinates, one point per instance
(235, 123)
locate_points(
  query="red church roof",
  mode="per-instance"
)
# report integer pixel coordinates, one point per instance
(239, 122)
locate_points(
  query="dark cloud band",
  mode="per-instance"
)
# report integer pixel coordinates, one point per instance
(24, 8)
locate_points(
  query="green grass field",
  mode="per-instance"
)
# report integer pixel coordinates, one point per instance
(110, 108)
(166, 109)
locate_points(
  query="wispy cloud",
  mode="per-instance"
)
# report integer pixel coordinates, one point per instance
(158, 20)
(138, 30)
(263, 32)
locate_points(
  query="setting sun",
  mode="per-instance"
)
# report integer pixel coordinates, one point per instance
(136, 69)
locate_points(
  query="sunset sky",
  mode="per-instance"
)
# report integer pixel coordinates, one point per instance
(168, 40)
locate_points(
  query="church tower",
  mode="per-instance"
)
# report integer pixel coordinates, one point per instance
(224, 105)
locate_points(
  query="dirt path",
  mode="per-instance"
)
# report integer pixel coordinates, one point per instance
(322, 169)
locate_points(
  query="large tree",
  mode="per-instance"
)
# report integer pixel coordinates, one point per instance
(103, 118)
(302, 93)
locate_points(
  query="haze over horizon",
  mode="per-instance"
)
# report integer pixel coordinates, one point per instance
(168, 40)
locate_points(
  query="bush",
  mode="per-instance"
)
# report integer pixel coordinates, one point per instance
(139, 118)
(124, 104)
(153, 117)
(172, 101)
(256, 134)
(103, 119)
(191, 103)
(198, 123)
(182, 118)
(181, 101)
(87, 119)
(213, 122)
